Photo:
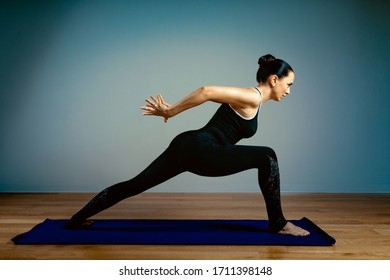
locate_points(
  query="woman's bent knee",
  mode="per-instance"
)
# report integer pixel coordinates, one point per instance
(271, 153)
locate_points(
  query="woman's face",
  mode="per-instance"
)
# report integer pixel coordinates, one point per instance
(281, 86)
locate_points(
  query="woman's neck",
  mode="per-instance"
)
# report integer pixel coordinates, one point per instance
(265, 92)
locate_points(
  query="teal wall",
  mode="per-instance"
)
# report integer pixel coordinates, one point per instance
(73, 75)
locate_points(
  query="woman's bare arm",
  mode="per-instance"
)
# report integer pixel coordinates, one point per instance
(237, 97)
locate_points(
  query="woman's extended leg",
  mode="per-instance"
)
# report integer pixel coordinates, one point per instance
(160, 170)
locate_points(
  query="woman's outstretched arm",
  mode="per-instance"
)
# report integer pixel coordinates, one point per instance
(240, 97)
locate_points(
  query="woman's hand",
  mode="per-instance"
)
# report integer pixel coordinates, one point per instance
(156, 106)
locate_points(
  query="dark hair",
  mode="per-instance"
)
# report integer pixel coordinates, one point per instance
(269, 65)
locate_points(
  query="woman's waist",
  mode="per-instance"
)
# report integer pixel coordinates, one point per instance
(214, 135)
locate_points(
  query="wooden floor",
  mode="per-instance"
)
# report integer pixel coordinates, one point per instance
(359, 222)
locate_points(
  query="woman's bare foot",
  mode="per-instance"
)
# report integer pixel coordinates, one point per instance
(294, 230)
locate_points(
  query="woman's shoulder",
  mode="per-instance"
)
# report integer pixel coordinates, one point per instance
(235, 96)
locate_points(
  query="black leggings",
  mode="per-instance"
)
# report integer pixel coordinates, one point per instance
(201, 154)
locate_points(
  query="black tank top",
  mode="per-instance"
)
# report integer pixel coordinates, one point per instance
(228, 127)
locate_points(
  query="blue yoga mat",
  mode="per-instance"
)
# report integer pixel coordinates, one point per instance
(170, 232)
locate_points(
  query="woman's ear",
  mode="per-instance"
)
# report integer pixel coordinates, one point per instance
(273, 79)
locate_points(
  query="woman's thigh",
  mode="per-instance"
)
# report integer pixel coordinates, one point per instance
(210, 160)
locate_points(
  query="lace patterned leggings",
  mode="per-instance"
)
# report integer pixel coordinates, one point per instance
(198, 153)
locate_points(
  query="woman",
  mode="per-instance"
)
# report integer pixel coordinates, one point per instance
(212, 150)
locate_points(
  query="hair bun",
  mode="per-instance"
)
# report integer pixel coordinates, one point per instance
(265, 59)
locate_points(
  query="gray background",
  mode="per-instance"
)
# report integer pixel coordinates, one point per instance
(73, 75)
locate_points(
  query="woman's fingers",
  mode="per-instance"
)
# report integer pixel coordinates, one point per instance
(154, 99)
(155, 106)
(162, 101)
(150, 103)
